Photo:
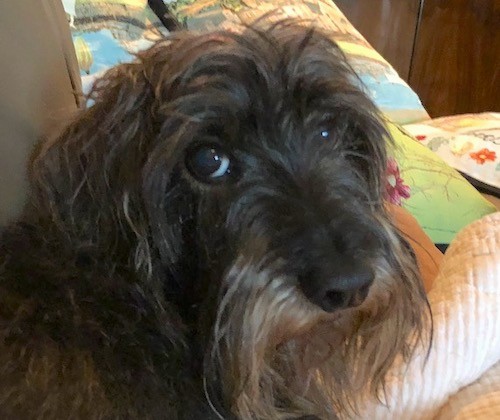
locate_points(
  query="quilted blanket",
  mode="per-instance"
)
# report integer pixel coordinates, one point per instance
(469, 143)
(460, 377)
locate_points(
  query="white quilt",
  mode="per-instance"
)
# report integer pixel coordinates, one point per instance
(461, 379)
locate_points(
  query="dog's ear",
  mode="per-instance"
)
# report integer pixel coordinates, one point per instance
(95, 181)
(97, 158)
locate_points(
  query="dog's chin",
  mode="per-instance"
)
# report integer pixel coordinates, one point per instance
(273, 348)
(271, 344)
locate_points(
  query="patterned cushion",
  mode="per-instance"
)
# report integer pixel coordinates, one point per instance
(107, 32)
(441, 199)
(470, 143)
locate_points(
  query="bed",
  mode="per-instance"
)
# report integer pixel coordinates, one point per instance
(435, 171)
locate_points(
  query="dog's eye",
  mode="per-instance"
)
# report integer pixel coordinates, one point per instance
(324, 134)
(208, 163)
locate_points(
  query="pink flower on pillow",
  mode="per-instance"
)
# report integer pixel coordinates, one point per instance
(396, 189)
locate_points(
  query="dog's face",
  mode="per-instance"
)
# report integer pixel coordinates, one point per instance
(242, 176)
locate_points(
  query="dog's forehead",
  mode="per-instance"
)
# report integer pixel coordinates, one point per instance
(262, 72)
(274, 58)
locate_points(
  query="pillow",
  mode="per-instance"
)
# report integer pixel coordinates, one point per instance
(107, 32)
(465, 303)
(441, 199)
(470, 143)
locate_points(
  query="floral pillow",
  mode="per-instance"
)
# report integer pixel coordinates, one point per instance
(470, 143)
(107, 32)
(441, 199)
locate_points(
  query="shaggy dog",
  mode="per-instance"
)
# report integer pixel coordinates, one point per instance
(209, 240)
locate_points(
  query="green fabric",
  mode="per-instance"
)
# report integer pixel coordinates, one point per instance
(441, 199)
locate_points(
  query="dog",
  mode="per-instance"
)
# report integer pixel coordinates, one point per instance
(209, 240)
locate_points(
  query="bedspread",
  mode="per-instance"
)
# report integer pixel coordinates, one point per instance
(461, 376)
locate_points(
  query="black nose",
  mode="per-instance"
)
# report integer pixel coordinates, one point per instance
(339, 290)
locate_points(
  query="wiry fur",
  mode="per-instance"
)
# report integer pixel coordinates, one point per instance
(129, 289)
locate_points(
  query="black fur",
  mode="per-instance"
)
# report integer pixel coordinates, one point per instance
(110, 280)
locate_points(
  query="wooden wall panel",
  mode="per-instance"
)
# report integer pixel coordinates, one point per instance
(456, 65)
(388, 25)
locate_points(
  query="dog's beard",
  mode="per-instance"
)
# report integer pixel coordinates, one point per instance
(276, 355)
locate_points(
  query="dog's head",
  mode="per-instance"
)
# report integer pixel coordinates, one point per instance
(242, 177)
